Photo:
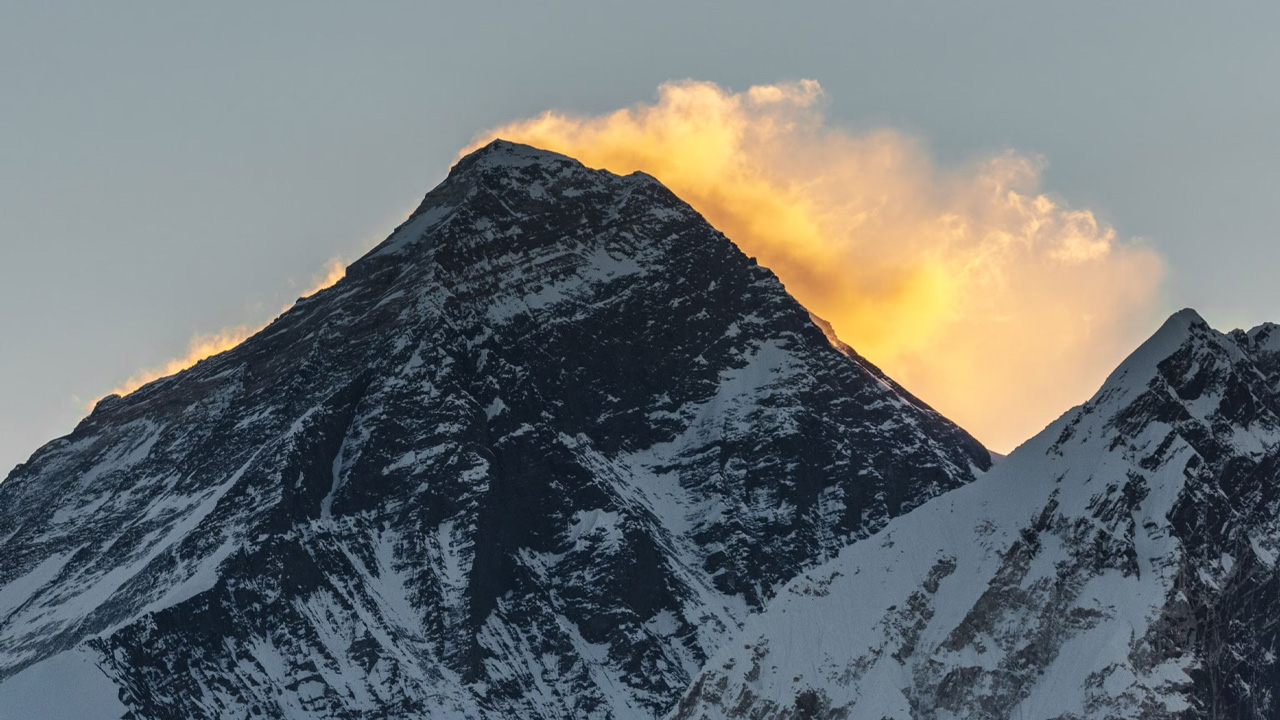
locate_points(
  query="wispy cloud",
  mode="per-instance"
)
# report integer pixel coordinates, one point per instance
(204, 345)
(334, 270)
(994, 301)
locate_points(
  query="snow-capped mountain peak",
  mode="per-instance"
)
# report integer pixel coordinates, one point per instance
(1119, 564)
(1141, 365)
(537, 455)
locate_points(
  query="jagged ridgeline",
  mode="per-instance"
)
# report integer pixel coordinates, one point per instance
(1122, 564)
(538, 455)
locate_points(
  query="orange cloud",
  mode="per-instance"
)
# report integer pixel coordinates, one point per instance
(993, 301)
(205, 345)
(333, 271)
(200, 347)
(209, 344)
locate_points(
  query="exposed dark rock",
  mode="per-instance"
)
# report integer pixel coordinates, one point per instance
(536, 456)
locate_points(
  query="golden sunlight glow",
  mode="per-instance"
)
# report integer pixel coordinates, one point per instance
(992, 301)
(200, 347)
(334, 270)
(205, 345)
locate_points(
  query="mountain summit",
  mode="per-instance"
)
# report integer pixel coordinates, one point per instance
(538, 455)
(1122, 564)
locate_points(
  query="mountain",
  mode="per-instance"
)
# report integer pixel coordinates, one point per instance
(538, 455)
(1121, 564)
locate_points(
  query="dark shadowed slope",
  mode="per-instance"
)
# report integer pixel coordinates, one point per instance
(536, 456)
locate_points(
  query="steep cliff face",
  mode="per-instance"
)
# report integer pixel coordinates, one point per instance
(1120, 564)
(538, 455)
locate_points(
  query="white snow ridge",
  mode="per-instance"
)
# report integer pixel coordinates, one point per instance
(1108, 568)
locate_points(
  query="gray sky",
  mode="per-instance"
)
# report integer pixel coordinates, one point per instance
(170, 170)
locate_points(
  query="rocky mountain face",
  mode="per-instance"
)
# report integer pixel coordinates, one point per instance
(1122, 564)
(539, 455)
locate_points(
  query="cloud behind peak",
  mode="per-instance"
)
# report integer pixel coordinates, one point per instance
(994, 301)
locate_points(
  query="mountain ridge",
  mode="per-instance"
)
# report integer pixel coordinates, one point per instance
(1119, 564)
(435, 488)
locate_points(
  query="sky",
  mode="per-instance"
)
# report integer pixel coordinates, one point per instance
(173, 171)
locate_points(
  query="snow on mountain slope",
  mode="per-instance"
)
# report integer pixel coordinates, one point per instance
(536, 456)
(1121, 564)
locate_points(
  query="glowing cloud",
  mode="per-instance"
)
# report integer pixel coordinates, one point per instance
(200, 347)
(205, 345)
(991, 300)
(334, 270)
